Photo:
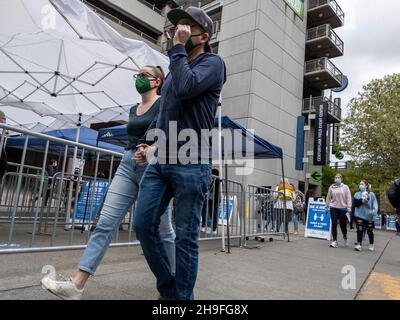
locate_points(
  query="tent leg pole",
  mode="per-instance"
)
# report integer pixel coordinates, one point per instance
(227, 206)
(221, 190)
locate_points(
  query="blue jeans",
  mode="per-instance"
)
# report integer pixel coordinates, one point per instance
(296, 221)
(120, 197)
(188, 184)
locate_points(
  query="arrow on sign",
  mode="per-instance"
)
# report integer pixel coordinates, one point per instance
(317, 176)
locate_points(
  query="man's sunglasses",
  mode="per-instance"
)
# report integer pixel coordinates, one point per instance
(170, 32)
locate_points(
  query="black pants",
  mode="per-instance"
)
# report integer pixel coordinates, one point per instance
(341, 216)
(212, 218)
(282, 219)
(363, 225)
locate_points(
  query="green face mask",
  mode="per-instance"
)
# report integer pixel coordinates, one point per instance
(142, 84)
(190, 45)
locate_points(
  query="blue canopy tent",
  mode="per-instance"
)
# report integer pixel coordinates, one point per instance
(116, 135)
(262, 148)
(87, 136)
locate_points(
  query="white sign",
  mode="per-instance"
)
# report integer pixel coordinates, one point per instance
(318, 223)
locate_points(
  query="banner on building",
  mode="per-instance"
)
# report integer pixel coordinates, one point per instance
(320, 134)
(297, 6)
(300, 143)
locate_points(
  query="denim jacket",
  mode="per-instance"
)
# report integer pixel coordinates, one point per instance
(364, 211)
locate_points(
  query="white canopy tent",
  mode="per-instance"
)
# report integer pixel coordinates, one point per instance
(58, 59)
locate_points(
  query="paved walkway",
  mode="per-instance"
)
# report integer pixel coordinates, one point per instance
(301, 269)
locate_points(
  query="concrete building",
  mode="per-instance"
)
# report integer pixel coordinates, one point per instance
(277, 54)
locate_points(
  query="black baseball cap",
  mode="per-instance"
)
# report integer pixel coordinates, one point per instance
(199, 16)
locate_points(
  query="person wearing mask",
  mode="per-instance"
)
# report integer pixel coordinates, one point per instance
(298, 210)
(339, 202)
(209, 213)
(122, 193)
(50, 170)
(366, 209)
(189, 101)
(284, 195)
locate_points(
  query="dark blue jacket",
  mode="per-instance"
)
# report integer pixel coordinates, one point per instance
(190, 94)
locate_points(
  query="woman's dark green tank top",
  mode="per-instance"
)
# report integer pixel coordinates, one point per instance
(138, 125)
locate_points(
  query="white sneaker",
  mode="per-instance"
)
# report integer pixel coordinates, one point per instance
(215, 232)
(357, 247)
(203, 229)
(346, 243)
(371, 247)
(334, 244)
(65, 290)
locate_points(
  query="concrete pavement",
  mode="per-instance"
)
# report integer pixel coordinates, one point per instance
(300, 269)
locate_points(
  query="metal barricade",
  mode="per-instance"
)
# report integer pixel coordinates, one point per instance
(40, 212)
(212, 225)
(263, 218)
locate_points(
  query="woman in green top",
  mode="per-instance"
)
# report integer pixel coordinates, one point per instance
(122, 192)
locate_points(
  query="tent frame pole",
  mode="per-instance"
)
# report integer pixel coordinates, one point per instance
(221, 190)
(78, 133)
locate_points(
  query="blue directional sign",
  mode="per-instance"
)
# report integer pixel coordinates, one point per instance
(391, 223)
(318, 223)
(227, 213)
(91, 200)
(378, 222)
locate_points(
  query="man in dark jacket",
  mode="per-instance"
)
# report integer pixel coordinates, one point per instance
(189, 100)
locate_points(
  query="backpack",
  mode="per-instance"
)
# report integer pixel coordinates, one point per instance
(393, 193)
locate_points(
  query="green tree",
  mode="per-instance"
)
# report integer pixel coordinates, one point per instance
(328, 176)
(371, 130)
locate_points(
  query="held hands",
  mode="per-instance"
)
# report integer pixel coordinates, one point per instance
(144, 153)
(182, 34)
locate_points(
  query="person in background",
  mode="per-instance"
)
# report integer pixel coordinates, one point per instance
(366, 209)
(3, 157)
(284, 191)
(339, 202)
(50, 171)
(298, 210)
(101, 175)
(310, 194)
(209, 214)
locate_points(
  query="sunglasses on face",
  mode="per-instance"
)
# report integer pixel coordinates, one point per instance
(170, 33)
(145, 75)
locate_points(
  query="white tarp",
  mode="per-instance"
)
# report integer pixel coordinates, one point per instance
(59, 59)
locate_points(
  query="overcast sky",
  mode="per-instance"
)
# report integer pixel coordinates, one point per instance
(372, 45)
(371, 41)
